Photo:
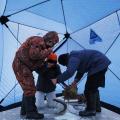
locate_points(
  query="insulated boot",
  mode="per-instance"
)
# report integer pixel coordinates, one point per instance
(90, 105)
(31, 109)
(98, 105)
(23, 110)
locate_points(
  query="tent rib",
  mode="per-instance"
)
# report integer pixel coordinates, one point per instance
(95, 21)
(18, 32)
(118, 18)
(114, 74)
(15, 80)
(112, 43)
(64, 15)
(28, 26)
(5, 7)
(28, 8)
(60, 45)
(14, 36)
(31, 26)
(78, 44)
(2, 56)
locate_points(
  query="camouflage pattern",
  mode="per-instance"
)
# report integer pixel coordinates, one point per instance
(29, 57)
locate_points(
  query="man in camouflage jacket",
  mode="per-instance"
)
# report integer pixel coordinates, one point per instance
(29, 57)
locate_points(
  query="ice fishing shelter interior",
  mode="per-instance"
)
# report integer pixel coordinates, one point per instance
(81, 24)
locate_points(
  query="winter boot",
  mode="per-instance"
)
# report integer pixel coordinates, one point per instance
(90, 105)
(23, 110)
(31, 109)
(98, 105)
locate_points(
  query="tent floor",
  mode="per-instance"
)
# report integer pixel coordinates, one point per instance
(13, 114)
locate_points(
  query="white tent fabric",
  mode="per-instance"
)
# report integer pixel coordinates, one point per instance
(75, 17)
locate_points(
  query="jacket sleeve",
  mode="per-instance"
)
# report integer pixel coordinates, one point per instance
(22, 54)
(78, 76)
(36, 54)
(73, 64)
(58, 70)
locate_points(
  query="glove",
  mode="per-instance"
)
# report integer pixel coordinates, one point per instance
(70, 93)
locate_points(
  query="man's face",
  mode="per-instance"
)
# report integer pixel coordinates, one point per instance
(51, 39)
(50, 42)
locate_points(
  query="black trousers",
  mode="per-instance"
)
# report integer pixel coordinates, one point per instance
(94, 81)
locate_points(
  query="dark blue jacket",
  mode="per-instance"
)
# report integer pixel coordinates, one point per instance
(84, 61)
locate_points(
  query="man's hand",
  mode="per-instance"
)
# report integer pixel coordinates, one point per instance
(54, 81)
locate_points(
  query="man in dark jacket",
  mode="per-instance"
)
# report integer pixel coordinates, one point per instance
(45, 87)
(28, 58)
(95, 64)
